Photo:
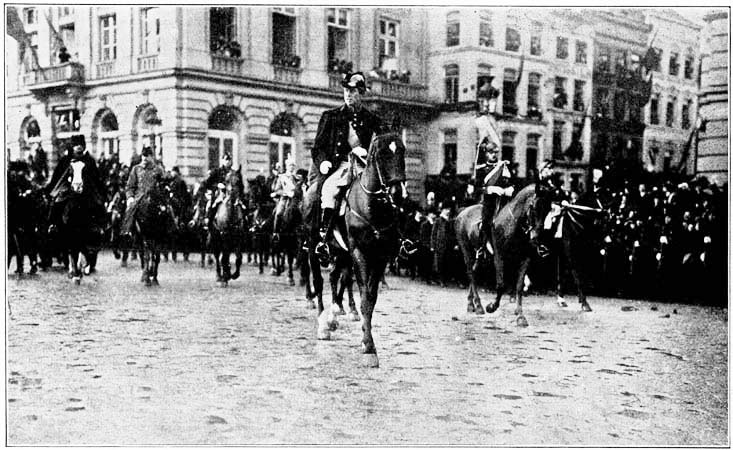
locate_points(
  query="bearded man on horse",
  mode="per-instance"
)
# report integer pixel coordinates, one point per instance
(342, 131)
(59, 188)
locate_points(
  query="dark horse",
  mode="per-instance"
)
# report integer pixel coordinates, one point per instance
(76, 227)
(227, 232)
(23, 219)
(153, 227)
(371, 228)
(514, 235)
(285, 234)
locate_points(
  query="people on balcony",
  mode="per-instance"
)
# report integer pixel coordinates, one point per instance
(64, 55)
(336, 65)
(230, 49)
(391, 75)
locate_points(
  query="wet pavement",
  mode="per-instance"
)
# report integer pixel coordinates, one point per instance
(111, 362)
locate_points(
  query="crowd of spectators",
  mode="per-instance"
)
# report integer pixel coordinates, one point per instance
(657, 239)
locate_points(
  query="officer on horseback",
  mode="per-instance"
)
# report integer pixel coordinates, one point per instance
(143, 177)
(59, 189)
(497, 186)
(215, 185)
(342, 131)
(285, 186)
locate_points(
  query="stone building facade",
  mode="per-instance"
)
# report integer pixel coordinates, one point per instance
(712, 158)
(194, 81)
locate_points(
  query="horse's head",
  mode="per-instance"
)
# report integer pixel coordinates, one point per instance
(539, 204)
(75, 178)
(234, 184)
(386, 159)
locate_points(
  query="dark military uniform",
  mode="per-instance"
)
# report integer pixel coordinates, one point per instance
(142, 179)
(493, 175)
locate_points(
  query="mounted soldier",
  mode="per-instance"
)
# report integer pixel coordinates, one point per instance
(215, 184)
(285, 187)
(342, 131)
(497, 186)
(59, 188)
(143, 177)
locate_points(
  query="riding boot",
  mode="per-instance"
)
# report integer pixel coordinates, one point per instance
(322, 250)
(54, 216)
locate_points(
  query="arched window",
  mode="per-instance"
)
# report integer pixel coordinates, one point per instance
(222, 136)
(282, 141)
(108, 132)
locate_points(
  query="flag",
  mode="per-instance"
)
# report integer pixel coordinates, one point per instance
(520, 70)
(700, 125)
(487, 126)
(58, 42)
(14, 28)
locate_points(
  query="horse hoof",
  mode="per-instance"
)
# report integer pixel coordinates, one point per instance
(470, 308)
(148, 283)
(235, 275)
(371, 360)
(123, 264)
(77, 281)
(333, 325)
(33, 271)
(155, 282)
(354, 317)
(479, 309)
(522, 321)
(561, 302)
(324, 335)
(339, 312)
(310, 304)
(491, 308)
(87, 270)
(222, 284)
(585, 307)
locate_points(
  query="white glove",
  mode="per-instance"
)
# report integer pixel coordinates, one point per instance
(707, 240)
(130, 201)
(564, 203)
(361, 152)
(663, 240)
(469, 189)
(509, 191)
(496, 190)
(273, 195)
(221, 185)
(325, 167)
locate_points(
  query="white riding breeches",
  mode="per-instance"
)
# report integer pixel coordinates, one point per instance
(338, 179)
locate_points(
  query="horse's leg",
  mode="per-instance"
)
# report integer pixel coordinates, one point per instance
(324, 333)
(292, 249)
(349, 282)
(500, 287)
(237, 262)
(334, 307)
(559, 270)
(369, 287)
(521, 320)
(155, 265)
(572, 262)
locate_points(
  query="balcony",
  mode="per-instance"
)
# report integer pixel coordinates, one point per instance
(392, 90)
(289, 75)
(397, 90)
(105, 69)
(61, 77)
(226, 64)
(147, 63)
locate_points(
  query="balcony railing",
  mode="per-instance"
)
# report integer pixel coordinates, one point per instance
(105, 69)
(147, 63)
(385, 88)
(68, 72)
(226, 64)
(396, 89)
(290, 75)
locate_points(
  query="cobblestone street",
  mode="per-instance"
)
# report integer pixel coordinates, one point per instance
(111, 362)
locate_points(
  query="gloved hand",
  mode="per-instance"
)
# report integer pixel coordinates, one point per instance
(361, 152)
(221, 185)
(325, 167)
(509, 191)
(130, 201)
(496, 190)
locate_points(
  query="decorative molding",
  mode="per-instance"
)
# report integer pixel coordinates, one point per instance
(258, 139)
